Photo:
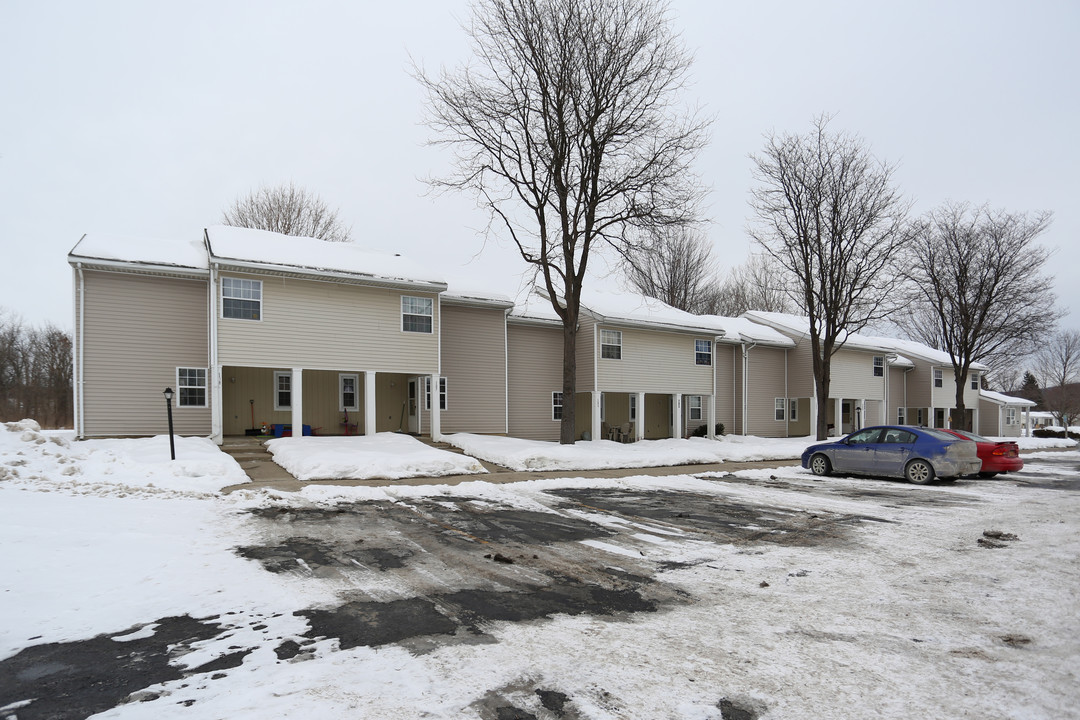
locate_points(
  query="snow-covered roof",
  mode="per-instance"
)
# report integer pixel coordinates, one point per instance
(797, 325)
(260, 249)
(459, 296)
(1002, 399)
(157, 252)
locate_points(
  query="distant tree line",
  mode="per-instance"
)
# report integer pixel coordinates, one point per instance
(35, 373)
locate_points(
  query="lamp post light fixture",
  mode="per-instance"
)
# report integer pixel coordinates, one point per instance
(168, 393)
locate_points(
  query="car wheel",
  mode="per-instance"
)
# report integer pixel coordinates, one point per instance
(987, 475)
(820, 465)
(919, 472)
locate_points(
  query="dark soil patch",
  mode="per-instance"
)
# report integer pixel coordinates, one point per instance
(85, 677)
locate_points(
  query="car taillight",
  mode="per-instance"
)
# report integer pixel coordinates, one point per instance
(1007, 451)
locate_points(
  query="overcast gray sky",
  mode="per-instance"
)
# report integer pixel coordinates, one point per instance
(147, 119)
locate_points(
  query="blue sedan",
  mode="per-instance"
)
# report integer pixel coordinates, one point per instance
(916, 454)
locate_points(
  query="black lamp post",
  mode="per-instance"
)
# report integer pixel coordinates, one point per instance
(168, 405)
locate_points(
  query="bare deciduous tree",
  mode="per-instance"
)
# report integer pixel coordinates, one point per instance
(758, 284)
(566, 128)
(1057, 365)
(976, 288)
(35, 373)
(827, 212)
(675, 266)
(288, 210)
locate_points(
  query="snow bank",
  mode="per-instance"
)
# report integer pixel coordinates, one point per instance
(524, 455)
(386, 455)
(1037, 443)
(54, 461)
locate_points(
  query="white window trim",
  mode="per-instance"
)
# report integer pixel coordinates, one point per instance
(780, 409)
(939, 378)
(444, 403)
(278, 374)
(221, 291)
(879, 366)
(428, 315)
(633, 407)
(341, 392)
(554, 394)
(901, 416)
(1010, 416)
(618, 334)
(793, 409)
(699, 352)
(690, 401)
(974, 381)
(205, 387)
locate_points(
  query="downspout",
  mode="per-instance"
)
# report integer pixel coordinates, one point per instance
(746, 383)
(716, 364)
(80, 420)
(506, 373)
(787, 400)
(216, 413)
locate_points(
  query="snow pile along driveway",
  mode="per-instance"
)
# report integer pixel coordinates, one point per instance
(385, 455)
(524, 455)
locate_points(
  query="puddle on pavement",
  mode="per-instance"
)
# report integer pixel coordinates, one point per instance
(81, 678)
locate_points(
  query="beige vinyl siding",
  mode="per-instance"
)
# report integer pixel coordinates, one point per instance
(655, 362)
(920, 382)
(853, 375)
(724, 358)
(801, 369)
(991, 419)
(474, 365)
(588, 353)
(765, 383)
(896, 398)
(139, 330)
(325, 325)
(535, 368)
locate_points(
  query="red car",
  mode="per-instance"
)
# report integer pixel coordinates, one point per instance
(997, 457)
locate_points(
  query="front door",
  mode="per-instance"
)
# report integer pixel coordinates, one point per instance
(414, 404)
(845, 418)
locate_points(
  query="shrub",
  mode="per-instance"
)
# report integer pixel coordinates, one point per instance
(1060, 434)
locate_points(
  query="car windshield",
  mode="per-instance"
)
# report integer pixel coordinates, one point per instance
(971, 436)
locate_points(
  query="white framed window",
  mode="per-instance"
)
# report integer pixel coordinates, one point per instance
(633, 408)
(974, 381)
(556, 406)
(191, 387)
(603, 407)
(938, 378)
(427, 393)
(694, 403)
(348, 392)
(879, 366)
(901, 418)
(703, 352)
(417, 314)
(793, 410)
(921, 418)
(282, 390)
(1010, 416)
(241, 299)
(780, 409)
(611, 344)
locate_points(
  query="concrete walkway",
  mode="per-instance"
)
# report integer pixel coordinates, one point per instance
(265, 473)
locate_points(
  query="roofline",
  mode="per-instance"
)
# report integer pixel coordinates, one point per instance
(138, 268)
(530, 320)
(233, 265)
(459, 301)
(654, 325)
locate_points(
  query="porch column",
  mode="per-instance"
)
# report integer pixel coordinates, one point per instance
(813, 415)
(838, 417)
(297, 393)
(216, 418)
(711, 418)
(1027, 420)
(369, 403)
(676, 413)
(436, 396)
(595, 428)
(639, 423)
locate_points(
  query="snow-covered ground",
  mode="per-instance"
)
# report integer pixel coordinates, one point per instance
(385, 455)
(519, 454)
(905, 616)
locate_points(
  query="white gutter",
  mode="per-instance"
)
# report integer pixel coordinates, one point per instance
(217, 412)
(241, 266)
(746, 382)
(135, 267)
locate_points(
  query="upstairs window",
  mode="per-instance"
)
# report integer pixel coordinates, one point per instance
(879, 366)
(938, 380)
(703, 352)
(611, 344)
(191, 387)
(974, 381)
(241, 299)
(416, 314)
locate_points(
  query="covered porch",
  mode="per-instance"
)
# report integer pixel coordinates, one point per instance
(629, 417)
(323, 402)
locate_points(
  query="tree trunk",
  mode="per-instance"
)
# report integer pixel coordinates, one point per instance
(959, 420)
(821, 386)
(568, 426)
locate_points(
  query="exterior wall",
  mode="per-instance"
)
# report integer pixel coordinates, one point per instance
(853, 375)
(724, 359)
(587, 351)
(325, 325)
(535, 369)
(138, 330)
(657, 416)
(897, 396)
(801, 369)
(992, 420)
(391, 402)
(765, 382)
(655, 362)
(920, 385)
(474, 365)
(803, 424)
